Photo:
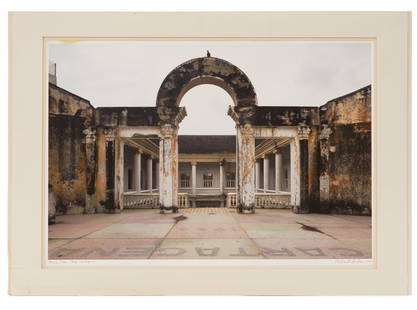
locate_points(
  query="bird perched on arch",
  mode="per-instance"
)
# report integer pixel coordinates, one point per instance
(208, 54)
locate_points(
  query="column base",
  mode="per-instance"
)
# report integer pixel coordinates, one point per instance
(162, 209)
(242, 208)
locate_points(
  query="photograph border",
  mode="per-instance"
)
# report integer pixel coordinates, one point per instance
(28, 273)
(369, 263)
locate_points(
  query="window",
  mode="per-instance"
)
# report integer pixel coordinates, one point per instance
(185, 180)
(208, 179)
(230, 179)
(129, 179)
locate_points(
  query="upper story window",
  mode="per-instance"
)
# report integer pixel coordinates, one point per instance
(230, 179)
(185, 180)
(208, 179)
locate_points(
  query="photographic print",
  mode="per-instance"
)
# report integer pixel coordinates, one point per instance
(209, 150)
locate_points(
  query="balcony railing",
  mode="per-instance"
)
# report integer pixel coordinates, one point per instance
(183, 201)
(134, 200)
(264, 200)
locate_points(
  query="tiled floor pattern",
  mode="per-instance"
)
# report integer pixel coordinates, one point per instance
(210, 233)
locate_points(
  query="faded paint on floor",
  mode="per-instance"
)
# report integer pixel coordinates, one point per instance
(210, 233)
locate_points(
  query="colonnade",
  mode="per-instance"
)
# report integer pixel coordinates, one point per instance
(266, 172)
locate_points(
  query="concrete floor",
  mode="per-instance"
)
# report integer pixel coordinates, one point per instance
(210, 233)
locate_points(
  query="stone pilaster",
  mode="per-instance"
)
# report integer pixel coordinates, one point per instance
(110, 168)
(324, 136)
(90, 152)
(168, 161)
(119, 174)
(246, 168)
(303, 134)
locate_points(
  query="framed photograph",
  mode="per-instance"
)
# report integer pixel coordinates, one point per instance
(215, 153)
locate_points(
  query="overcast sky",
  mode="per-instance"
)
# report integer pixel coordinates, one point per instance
(284, 73)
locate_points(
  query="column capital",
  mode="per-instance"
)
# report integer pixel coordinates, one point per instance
(168, 131)
(303, 131)
(277, 151)
(247, 130)
(193, 163)
(139, 152)
(325, 132)
(90, 134)
(110, 133)
(222, 162)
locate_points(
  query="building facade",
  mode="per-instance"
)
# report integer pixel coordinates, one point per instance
(309, 159)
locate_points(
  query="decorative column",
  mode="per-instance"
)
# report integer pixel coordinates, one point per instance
(110, 169)
(221, 183)
(168, 172)
(149, 180)
(266, 173)
(246, 168)
(157, 174)
(303, 133)
(278, 170)
(138, 168)
(257, 175)
(324, 168)
(221, 177)
(193, 177)
(193, 183)
(119, 174)
(90, 152)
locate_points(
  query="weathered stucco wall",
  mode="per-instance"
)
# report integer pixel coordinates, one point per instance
(67, 163)
(100, 182)
(336, 156)
(313, 170)
(346, 157)
(71, 169)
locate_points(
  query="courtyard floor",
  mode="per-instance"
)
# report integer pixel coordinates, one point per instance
(210, 233)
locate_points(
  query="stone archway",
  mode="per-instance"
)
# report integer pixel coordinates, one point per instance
(219, 72)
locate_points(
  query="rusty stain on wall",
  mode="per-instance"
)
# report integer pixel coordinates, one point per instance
(330, 145)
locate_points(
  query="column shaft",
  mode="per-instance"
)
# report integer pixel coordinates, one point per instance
(303, 134)
(119, 174)
(193, 177)
(168, 171)
(266, 173)
(157, 174)
(246, 164)
(257, 175)
(221, 177)
(278, 171)
(149, 174)
(138, 168)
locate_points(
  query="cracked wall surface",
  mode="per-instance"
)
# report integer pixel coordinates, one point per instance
(331, 168)
(68, 178)
(346, 155)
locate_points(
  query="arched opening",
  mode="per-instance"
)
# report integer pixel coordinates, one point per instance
(206, 107)
(215, 71)
(207, 147)
(205, 70)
